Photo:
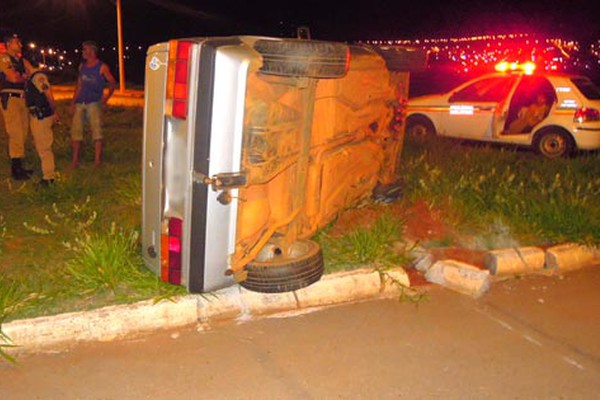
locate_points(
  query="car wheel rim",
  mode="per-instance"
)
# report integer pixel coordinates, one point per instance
(271, 252)
(553, 145)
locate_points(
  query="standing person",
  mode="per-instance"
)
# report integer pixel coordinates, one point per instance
(42, 110)
(88, 100)
(14, 71)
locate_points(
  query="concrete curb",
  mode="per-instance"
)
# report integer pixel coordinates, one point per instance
(514, 260)
(460, 277)
(571, 256)
(104, 324)
(60, 332)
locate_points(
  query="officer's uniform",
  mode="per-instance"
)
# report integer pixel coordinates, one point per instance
(14, 112)
(41, 119)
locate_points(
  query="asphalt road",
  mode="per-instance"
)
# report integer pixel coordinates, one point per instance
(530, 338)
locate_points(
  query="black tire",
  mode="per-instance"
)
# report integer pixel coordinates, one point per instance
(272, 272)
(403, 59)
(553, 143)
(303, 58)
(419, 126)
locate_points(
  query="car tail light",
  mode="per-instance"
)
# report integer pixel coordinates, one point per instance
(178, 77)
(586, 114)
(170, 253)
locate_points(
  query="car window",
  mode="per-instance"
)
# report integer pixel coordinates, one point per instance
(530, 87)
(587, 88)
(485, 90)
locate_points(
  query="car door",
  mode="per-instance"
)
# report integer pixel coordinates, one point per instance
(473, 107)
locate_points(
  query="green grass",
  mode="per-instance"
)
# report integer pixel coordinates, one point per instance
(491, 189)
(365, 245)
(74, 246)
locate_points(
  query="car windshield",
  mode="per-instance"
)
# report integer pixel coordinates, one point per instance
(587, 88)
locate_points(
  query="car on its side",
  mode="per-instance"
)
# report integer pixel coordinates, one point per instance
(554, 114)
(252, 144)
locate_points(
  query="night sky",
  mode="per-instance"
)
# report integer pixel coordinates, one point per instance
(68, 22)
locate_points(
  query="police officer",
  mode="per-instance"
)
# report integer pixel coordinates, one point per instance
(41, 105)
(14, 71)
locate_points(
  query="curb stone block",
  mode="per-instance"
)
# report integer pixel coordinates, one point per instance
(221, 304)
(254, 303)
(400, 276)
(104, 324)
(571, 256)
(460, 277)
(423, 262)
(343, 287)
(339, 288)
(514, 260)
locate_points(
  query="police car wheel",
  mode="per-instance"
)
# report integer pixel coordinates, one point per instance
(303, 58)
(553, 143)
(418, 126)
(275, 272)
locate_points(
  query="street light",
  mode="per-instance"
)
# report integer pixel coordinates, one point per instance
(121, 56)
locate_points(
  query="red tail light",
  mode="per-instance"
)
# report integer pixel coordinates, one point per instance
(170, 257)
(586, 114)
(178, 77)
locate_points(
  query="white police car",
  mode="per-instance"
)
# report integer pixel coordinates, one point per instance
(554, 114)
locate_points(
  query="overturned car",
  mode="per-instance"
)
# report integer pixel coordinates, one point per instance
(252, 144)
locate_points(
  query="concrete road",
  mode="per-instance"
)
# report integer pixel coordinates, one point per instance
(530, 338)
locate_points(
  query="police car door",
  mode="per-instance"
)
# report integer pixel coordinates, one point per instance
(472, 108)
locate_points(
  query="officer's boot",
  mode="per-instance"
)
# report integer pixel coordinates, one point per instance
(18, 173)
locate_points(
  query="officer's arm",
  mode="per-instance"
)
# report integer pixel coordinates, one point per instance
(110, 79)
(11, 75)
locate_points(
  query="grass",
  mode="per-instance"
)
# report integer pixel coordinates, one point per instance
(495, 190)
(74, 246)
(367, 245)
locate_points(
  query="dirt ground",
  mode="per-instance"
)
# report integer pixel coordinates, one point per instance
(421, 225)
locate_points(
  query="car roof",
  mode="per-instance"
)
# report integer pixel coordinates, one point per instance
(559, 75)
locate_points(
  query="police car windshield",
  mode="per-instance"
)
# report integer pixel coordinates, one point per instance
(587, 88)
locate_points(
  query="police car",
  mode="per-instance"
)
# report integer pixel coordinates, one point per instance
(555, 114)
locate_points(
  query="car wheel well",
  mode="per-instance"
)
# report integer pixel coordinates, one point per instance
(423, 119)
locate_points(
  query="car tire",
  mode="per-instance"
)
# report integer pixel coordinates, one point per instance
(553, 143)
(403, 59)
(419, 126)
(303, 58)
(273, 272)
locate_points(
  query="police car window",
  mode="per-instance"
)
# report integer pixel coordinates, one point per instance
(485, 90)
(587, 88)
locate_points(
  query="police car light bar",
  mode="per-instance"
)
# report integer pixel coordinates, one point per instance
(505, 66)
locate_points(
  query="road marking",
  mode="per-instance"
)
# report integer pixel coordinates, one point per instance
(573, 362)
(532, 340)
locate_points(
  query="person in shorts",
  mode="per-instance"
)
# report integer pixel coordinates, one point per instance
(89, 98)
